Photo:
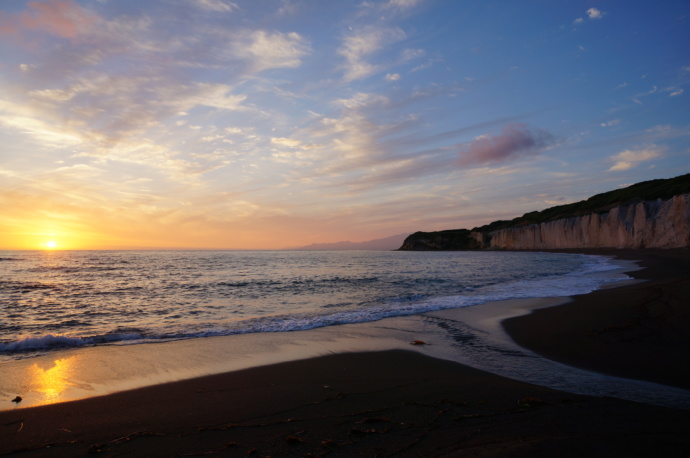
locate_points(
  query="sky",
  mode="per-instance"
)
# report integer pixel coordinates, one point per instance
(269, 124)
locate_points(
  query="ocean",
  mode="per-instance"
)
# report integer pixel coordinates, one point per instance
(76, 324)
(51, 300)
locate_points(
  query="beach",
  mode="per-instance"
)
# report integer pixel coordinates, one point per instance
(406, 403)
(639, 331)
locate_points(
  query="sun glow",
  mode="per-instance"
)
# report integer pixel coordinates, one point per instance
(51, 245)
(53, 382)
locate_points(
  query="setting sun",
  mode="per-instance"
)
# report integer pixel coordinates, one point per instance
(51, 244)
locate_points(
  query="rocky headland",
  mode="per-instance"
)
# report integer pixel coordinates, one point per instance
(651, 214)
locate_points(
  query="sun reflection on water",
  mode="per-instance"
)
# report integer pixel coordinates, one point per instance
(54, 381)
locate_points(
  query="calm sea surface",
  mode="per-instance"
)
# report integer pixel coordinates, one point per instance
(58, 299)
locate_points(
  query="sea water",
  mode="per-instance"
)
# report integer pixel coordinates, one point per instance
(77, 324)
(52, 300)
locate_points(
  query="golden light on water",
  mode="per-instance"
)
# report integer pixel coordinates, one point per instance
(52, 382)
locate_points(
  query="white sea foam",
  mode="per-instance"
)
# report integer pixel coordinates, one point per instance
(41, 343)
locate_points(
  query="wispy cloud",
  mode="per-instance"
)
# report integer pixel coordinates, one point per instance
(637, 98)
(363, 43)
(402, 4)
(218, 6)
(672, 91)
(629, 159)
(45, 127)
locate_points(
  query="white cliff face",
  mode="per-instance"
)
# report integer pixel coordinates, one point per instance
(651, 224)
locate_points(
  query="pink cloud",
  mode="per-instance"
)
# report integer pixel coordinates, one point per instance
(514, 141)
(63, 18)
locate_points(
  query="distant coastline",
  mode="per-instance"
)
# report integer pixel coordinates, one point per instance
(384, 244)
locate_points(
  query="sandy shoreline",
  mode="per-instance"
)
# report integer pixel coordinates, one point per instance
(403, 403)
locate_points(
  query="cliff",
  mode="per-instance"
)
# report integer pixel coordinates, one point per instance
(654, 214)
(649, 224)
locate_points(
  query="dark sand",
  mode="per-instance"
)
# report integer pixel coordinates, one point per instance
(399, 403)
(640, 331)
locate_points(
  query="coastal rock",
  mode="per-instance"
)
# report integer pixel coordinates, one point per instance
(648, 224)
(657, 223)
(456, 239)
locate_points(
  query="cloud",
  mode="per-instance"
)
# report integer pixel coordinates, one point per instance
(62, 18)
(629, 159)
(362, 100)
(594, 13)
(364, 43)
(43, 127)
(49, 134)
(636, 98)
(210, 95)
(515, 141)
(389, 6)
(409, 54)
(273, 50)
(392, 76)
(218, 6)
(676, 93)
(613, 122)
(402, 4)
(146, 153)
(121, 118)
(286, 142)
(349, 141)
(288, 8)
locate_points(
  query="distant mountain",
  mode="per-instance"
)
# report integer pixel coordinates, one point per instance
(385, 244)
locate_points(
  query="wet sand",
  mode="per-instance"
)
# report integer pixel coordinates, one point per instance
(402, 403)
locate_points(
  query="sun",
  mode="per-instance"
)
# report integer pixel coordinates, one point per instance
(51, 244)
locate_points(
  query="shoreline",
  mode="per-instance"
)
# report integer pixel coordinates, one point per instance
(394, 401)
(639, 331)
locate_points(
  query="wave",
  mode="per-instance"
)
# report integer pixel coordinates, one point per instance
(25, 286)
(596, 264)
(73, 269)
(56, 342)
